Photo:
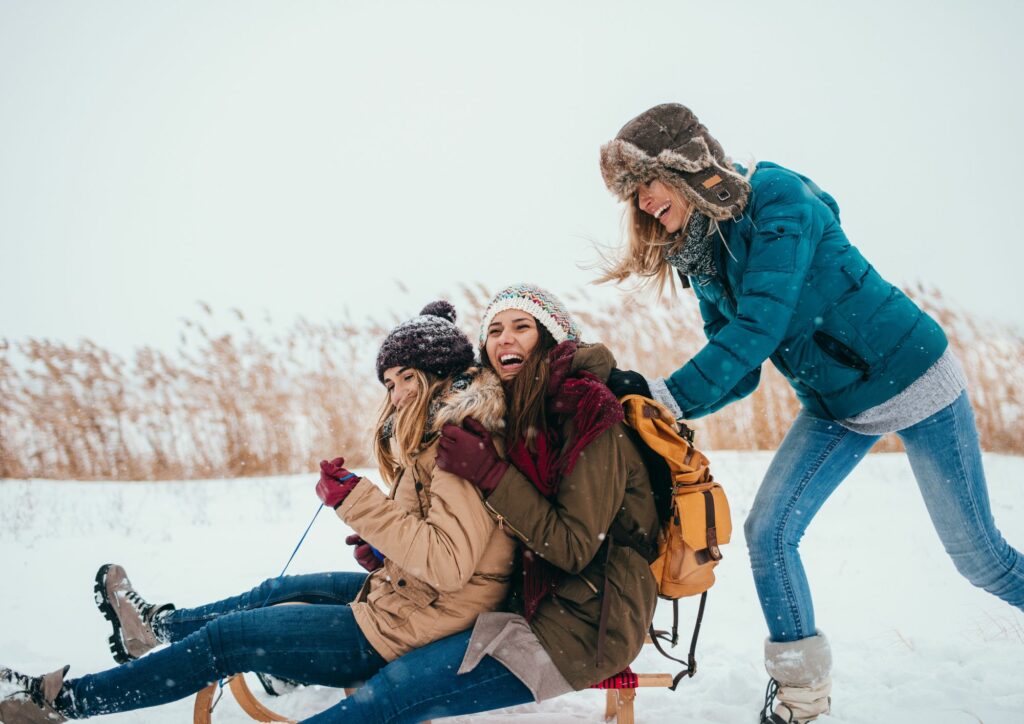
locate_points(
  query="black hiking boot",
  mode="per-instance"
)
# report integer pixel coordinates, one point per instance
(128, 612)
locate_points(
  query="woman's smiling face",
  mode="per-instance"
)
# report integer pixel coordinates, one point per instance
(663, 203)
(401, 384)
(511, 337)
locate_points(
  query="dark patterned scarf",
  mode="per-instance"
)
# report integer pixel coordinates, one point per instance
(593, 409)
(694, 256)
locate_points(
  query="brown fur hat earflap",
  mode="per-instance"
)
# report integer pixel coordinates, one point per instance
(668, 143)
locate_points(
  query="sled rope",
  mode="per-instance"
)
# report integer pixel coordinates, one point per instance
(205, 702)
(292, 556)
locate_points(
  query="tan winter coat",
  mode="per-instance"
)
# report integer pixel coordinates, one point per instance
(446, 560)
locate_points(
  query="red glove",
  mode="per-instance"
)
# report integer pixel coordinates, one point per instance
(363, 553)
(335, 482)
(469, 452)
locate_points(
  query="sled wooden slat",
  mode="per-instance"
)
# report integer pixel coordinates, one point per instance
(664, 680)
(618, 705)
(251, 705)
(201, 712)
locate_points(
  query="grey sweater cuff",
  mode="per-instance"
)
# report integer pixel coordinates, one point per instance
(936, 389)
(659, 391)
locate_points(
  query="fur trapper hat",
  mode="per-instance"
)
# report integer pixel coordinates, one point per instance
(668, 143)
(430, 342)
(536, 301)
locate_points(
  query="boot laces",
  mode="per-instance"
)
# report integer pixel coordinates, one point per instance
(768, 715)
(30, 685)
(137, 602)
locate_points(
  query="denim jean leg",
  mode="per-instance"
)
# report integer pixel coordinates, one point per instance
(337, 587)
(816, 456)
(424, 685)
(945, 455)
(311, 644)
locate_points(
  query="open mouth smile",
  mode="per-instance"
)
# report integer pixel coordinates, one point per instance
(661, 211)
(509, 365)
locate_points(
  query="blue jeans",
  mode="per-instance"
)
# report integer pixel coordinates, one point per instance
(317, 644)
(314, 644)
(424, 685)
(816, 457)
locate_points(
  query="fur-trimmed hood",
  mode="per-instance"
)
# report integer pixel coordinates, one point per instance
(475, 393)
(668, 143)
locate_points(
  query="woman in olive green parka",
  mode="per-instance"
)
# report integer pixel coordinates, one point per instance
(568, 531)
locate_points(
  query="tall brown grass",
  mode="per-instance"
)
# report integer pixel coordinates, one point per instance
(236, 399)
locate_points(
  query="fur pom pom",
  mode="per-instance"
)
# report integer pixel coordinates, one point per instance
(440, 308)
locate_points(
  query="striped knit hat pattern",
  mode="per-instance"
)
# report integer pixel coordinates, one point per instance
(544, 306)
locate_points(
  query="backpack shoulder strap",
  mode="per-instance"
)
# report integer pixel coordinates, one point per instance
(691, 659)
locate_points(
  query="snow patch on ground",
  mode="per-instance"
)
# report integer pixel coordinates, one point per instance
(912, 641)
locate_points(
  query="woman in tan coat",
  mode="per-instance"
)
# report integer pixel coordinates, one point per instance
(575, 493)
(445, 561)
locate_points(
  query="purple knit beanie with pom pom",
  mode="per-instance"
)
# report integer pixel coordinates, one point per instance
(430, 342)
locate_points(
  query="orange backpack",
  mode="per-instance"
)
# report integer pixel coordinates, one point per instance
(693, 510)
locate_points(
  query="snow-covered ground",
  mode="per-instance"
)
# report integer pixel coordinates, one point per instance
(913, 642)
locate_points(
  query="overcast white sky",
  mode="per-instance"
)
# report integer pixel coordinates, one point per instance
(298, 157)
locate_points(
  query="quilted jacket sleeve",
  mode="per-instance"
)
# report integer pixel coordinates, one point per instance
(787, 231)
(713, 319)
(743, 388)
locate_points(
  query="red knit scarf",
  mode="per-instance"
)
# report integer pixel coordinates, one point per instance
(593, 409)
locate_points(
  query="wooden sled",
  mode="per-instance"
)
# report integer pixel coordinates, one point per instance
(207, 699)
(619, 701)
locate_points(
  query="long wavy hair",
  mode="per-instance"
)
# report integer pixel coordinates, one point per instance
(408, 426)
(525, 417)
(643, 255)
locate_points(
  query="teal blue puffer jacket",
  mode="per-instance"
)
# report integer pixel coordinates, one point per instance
(791, 288)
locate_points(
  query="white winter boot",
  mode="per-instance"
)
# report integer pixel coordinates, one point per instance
(801, 680)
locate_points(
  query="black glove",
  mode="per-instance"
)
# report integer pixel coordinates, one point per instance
(628, 382)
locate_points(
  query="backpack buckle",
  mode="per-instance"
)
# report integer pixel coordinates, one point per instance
(713, 550)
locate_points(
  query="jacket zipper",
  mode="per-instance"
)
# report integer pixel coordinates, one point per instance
(503, 523)
(724, 277)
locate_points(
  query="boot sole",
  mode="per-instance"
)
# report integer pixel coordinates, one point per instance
(117, 648)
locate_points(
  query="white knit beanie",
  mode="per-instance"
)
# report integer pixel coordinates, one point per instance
(544, 306)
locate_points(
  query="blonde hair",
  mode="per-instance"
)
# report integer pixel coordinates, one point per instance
(644, 253)
(408, 426)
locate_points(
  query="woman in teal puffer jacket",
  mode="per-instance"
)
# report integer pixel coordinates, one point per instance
(777, 279)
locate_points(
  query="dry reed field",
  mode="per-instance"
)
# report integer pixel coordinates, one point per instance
(234, 401)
